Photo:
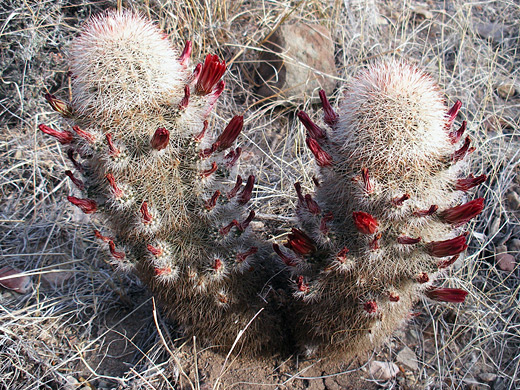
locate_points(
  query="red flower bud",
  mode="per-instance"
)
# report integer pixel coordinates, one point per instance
(77, 165)
(323, 159)
(398, 201)
(302, 286)
(452, 113)
(211, 72)
(290, 262)
(313, 129)
(456, 135)
(247, 192)
(300, 243)
(450, 247)
(465, 149)
(63, 137)
(364, 222)
(454, 295)
(118, 193)
(461, 214)
(241, 257)
(114, 253)
(423, 278)
(186, 53)
(342, 255)
(160, 139)
(230, 133)
(242, 226)
(84, 134)
(369, 187)
(408, 240)
(59, 105)
(393, 297)
(231, 194)
(77, 182)
(424, 213)
(162, 271)
(233, 157)
(88, 206)
(312, 206)
(375, 242)
(324, 229)
(199, 136)
(217, 264)
(446, 263)
(209, 171)
(186, 99)
(469, 182)
(212, 202)
(114, 152)
(208, 151)
(329, 115)
(154, 251)
(298, 188)
(370, 307)
(146, 217)
(226, 229)
(101, 237)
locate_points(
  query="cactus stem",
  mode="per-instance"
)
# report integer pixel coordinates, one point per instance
(398, 201)
(63, 137)
(58, 105)
(184, 58)
(209, 171)
(459, 215)
(408, 240)
(212, 202)
(365, 223)
(211, 72)
(455, 136)
(313, 130)
(77, 182)
(329, 115)
(469, 182)
(160, 139)
(88, 206)
(424, 213)
(231, 194)
(247, 192)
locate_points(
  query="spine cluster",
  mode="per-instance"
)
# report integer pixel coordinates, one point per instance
(387, 214)
(164, 182)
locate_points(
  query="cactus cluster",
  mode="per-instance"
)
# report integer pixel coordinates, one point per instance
(385, 217)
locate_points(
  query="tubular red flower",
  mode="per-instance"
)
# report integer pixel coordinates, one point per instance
(160, 139)
(209, 171)
(450, 247)
(114, 152)
(154, 251)
(231, 194)
(101, 237)
(370, 307)
(211, 72)
(315, 181)
(408, 240)
(77, 182)
(300, 243)
(186, 99)
(247, 192)
(233, 157)
(312, 206)
(461, 214)
(226, 229)
(452, 113)
(88, 206)
(424, 213)
(241, 257)
(212, 202)
(342, 255)
(146, 217)
(329, 115)
(290, 262)
(208, 151)
(302, 286)
(313, 129)
(365, 223)
(118, 193)
(398, 201)
(446, 263)
(469, 182)
(199, 136)
(369, 187)
(298, 188)
(63, 137)
(242, 226)
(117, 255)
(83, 134)
(454, 295)
(456, 135)
(230, 133)
(186, 53)
(323, 159)
(77, 165)
(465, 149)
(58, 105)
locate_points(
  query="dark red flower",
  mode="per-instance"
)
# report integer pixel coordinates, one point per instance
(446, 263)
(300, 243)
(241, 257)
(186, 53)
(393, 297)
(465, 149)
(231, 194)
(398, 201)
(456, 135)
(408, 240)
(370, 307)
(449, 247)
(59, 105)
(469, 182)
(452, 113)
(217, 264)
(312, 206)
(423, 278)
(199, 136)
(242, 226)
(186, 99)
(63, 137)
(423, 213)
(154, 251)
(209, 171)
(302, 286)
(298, 188)
(211, 72)
(233, 157)
(160, 139)
(247, 192)
(162, 271)
(145, 214)
(342, 255)
(101, 237)
(461, 214)
(324, 229)
(313, 129)
(375, 242)
(290, 262)
(329, 115)
(212, 202)
(118, 193)
(88, 206)
(84, 134)
(117, 255)
(226, 229)
(454, 295)
(230, 133)
(323, 159)
(364, 222)
(77, 182)
(77, 165)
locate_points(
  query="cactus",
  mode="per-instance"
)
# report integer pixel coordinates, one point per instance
(164, 184)
(387, 213)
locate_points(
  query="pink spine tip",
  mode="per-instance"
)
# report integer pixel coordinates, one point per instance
(184, 58)
(160, 139)
(365, 223)
(88, 206)
(329, 115)
(453, 295)
(374, 245)
(469, 182)
(323, 159)
(146, 217)
(247, 192)
(450, 247)
(461, 214)
(77, 182)
(63, 137)
(58, 105)
(230, 133)
(211, 72)
(313, 129)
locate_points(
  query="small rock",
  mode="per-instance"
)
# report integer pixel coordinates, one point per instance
(505, 262)
(507, 89)
(513, 200)
(494, 227)
(495, 32)
(408, 358)
(422, 11)
(514, 245)
(56, 279)
(487, 376)
(298, 62)
(15, 280)
(383, 370)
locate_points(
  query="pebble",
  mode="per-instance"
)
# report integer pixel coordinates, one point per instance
(495, 32)
(383, 370)
(21, 284)
(507, 89)
(505, 262)
(487, 377)
(514, 245)
(513, 200)
(408, 358)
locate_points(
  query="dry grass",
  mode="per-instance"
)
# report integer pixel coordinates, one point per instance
(83, 320)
